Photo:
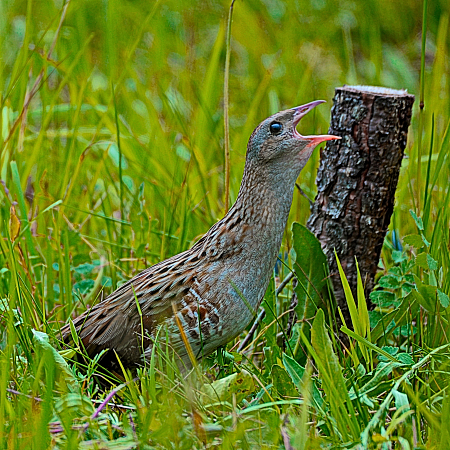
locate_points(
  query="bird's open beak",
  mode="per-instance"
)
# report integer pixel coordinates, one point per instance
(299, 112)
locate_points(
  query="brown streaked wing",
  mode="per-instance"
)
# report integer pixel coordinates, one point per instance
(115, 322)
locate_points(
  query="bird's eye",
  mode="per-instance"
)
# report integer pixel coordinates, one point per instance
(276, 128)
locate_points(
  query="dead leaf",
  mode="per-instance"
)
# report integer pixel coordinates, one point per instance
(14, 224)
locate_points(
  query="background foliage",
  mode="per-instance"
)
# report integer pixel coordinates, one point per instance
(112, 159)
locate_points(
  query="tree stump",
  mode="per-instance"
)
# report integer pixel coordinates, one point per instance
(356, 181)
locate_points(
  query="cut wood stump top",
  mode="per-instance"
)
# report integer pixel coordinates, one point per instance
(375, 90)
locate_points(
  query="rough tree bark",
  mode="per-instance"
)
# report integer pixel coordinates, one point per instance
(357, 178)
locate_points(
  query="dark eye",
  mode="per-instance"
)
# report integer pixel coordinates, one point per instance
(276, 128)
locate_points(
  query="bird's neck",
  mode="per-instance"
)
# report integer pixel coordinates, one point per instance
(265, 202)
(256, 222)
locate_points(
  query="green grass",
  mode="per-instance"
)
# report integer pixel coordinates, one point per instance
(112, 158)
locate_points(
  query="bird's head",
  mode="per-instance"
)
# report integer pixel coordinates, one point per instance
(278, 148)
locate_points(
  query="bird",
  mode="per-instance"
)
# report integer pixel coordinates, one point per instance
(206, 296)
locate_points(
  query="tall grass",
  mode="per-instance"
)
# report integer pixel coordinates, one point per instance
(111, 159)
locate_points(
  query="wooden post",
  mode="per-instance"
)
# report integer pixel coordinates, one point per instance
(356, 180)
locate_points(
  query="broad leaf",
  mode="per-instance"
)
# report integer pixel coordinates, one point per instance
(414, 240)
(222, 390)
(311, 270)
(443, 298)
(282, 382)
(41, 342)
(297, 373)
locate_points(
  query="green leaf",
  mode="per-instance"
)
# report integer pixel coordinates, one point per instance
(222, 390)
(73, 332)
(422, 261)
(294, 369)
(427, 295)
(425, 240)
(350, 299)
(418, 220)
(116, 156)
(297, 372)
(84, 269)
(310, 265)
(432, 264)
(398, 256)
(362, 305)
(407, 330)
(83, 286)
(41, 341)
(401, 400)
(390, 349)
(405, 358)
(282, 382)
(423, 301)
(22, 207)
(414, 240)
(389, 282)
(443, 298)
(311, 270)
(382, 298)
(106, 281)
(395, 272)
